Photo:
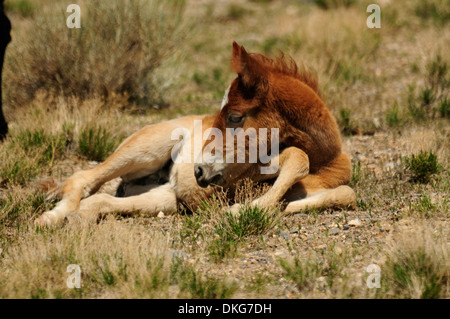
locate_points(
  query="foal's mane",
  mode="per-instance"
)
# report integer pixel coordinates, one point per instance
(285, 64)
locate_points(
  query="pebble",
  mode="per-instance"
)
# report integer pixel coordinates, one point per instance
(355, 222)
(93, 163)
(175, 253)
(280, 253)
(385, 226)
(285, 235)
(161, 215)
(334, 231)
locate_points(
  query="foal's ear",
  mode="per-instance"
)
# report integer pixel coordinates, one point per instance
(251, 72)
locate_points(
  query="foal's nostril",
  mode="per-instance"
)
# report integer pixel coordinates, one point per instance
(198, 171)
(204, 177)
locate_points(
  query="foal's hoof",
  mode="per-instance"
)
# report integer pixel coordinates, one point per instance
(43, 221)
(347, 197)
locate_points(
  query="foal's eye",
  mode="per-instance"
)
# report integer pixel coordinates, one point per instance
(235, 118)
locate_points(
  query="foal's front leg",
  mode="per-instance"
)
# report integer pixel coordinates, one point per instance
(293, 166)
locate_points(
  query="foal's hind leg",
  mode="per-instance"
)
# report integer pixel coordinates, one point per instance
(159, 199)
(143, 153)
(325, 189)
(339, 197)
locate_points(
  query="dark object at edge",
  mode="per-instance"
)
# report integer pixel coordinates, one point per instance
(5, 38)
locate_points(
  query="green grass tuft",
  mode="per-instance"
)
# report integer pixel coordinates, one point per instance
(96, 144)
(333, 4)
(22, 7)
(232, 229)
(422, 166)
(415, 272)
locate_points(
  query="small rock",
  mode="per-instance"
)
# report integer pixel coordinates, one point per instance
(280, 253)
(376, 122)
(321, 283)
(178, 254)
(385, 226)
(334, 231)
(355, 222)
(285, 235)
(346, 227)
(161, 215)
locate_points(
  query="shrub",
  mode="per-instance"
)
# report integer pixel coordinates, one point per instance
(18, 171)
(432, 98)
(49, 146)
(437, 71)
(422, 166)
(232, 229)
(118, 49)
(250, 221)
(392, 116)
(346, 123)
(437, 11)
(424, 206)
(416, 264)
(21, 7)
(416, 268)
(444, 108)
(28, 153)
(96, 144)
(236, 12)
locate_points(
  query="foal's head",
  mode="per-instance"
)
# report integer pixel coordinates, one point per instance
(259, 115)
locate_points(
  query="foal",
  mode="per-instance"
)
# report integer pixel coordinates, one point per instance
(277, 94)
(311, 169)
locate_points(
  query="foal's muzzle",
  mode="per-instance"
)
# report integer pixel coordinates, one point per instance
(206, 175)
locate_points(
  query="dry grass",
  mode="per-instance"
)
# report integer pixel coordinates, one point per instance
(128, 260)
(392, 83)
(417, 264)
